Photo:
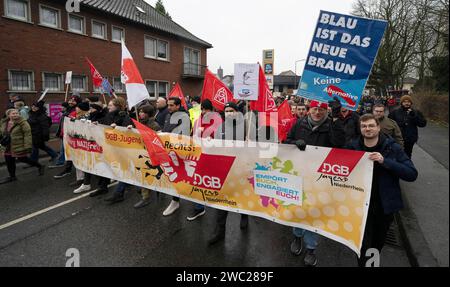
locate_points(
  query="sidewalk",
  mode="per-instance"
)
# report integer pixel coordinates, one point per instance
(426, 217)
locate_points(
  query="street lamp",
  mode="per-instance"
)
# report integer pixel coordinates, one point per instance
(302, 60)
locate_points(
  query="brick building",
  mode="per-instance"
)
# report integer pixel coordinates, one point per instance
(40, 41)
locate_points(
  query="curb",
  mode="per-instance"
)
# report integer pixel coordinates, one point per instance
(416, 247)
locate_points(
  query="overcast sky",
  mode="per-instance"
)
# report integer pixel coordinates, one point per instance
(240, 29)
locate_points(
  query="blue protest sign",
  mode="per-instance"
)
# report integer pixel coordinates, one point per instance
(340, 58)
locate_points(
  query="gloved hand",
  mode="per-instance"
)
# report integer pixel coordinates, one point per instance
(335, 106)
(301, 144)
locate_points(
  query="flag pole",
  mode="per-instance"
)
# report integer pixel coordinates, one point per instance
(250, 120)
(67, 90)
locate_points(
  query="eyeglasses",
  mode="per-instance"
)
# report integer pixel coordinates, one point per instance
(371, 126)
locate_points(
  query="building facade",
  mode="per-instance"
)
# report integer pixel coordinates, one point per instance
(286, 83)
(40, 41)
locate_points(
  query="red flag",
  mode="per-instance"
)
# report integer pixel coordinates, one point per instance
(153, 144)
(216, 91)
(285, 120)
(265, 102)
(178, 93)
(97, 79)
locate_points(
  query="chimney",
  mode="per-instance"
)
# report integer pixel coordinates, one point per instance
(220, 73)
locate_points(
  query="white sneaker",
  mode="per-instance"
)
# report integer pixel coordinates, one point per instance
(173, 206)
(82, 188)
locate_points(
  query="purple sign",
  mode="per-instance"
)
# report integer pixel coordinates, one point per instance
(54, 112)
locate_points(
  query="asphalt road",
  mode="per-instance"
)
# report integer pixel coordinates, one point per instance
(119, 235)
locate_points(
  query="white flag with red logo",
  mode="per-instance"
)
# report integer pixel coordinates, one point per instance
(216, 91)
(130, 76)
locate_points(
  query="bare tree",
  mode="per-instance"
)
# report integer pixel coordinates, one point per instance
(412, 35)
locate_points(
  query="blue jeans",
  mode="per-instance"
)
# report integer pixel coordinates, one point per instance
(62, 157)
(121, 188)
(311, 239)
(35, 152)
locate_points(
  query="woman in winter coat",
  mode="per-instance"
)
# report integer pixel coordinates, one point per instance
(16, 139)
(117, 116)
(96, 114)
(40, 131)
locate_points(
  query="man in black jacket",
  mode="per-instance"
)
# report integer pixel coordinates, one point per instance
(408, 119)
(316, 129)
(233, 128)
(40, 130)
(163, 110)
(351, 124)
(390, 164)
(176, 122)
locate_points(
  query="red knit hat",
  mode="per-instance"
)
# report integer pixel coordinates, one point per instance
(316, 104)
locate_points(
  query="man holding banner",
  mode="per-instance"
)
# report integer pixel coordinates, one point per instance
(390, 164)
(316, 129)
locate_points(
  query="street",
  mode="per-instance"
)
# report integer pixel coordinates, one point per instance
(119, 235)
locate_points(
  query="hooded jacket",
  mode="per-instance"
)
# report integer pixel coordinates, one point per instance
(20, 133)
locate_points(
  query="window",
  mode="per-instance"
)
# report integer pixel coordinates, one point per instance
(98, 29)
(76, 24)
(20, 81)
(150, 47)
(163, 49)
(79, 83)
(191, 62)
(118, 34)
(53, 81)
(163, 89)
(118, 86)
(156, 49)
(151, 87)
(18, 9)
(49, 17)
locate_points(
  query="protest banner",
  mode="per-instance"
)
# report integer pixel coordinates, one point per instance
(340, 58)
(246, 82)
(55, 112)
(323, 190)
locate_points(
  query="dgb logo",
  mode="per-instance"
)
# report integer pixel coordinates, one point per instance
(340, 162)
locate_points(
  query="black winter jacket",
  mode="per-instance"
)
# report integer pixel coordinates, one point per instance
(396, 166)
(351, 127)
(408, 123)
(329, 134)
(120, 118)
(40, 127)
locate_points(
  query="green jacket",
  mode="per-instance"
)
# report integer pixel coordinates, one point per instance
(390, 128)
(21, 140)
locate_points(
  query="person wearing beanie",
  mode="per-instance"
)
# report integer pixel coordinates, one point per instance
(147, 117)
(96, 114)
(92, 99)
(233, 128)
(408, 119)
(316, 129)
(40, 125)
